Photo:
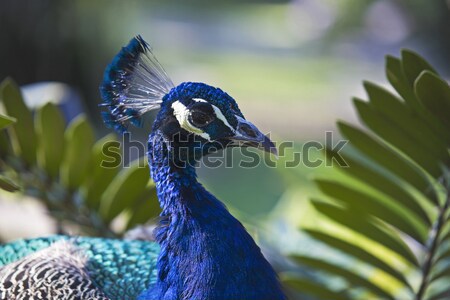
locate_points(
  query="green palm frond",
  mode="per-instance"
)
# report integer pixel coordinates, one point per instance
(388, 215)
(61, 165)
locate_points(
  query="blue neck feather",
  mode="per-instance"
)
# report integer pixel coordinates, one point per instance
(206, 253)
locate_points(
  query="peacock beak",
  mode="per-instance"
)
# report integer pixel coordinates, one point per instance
(247, 134)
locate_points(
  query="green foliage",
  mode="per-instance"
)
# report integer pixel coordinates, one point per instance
(24, 141)
(387, 218)
(62, 167)
(5, 121)
(8, 185)
(50, 123)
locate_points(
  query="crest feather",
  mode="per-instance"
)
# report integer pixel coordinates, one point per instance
(133, 84)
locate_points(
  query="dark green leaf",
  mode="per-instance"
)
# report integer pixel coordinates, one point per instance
(24, 140)
(434, 94)
(357, 252)
(387, 130)
(368, 228)
(5, 144)
(413, 64)
(8, 185)
(389, 159)
(353, 278)
(397, 79)
(50, 126)
(382, 183)
(406, 121)
(305, 285)
(78, 142)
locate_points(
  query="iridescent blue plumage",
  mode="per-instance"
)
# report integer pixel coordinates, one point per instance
(205, 253)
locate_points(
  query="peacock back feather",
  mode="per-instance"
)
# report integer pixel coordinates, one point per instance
(121, 269)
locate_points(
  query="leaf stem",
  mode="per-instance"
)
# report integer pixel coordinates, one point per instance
(432, 246)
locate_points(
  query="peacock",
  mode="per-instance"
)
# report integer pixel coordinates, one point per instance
(200, 251)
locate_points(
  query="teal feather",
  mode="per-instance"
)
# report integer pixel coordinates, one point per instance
(122, 269)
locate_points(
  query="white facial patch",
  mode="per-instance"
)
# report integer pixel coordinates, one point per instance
(218, 113)
(181, 113)
(199, 100)
(222, 118)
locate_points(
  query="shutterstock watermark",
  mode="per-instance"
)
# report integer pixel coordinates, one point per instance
(290, 154)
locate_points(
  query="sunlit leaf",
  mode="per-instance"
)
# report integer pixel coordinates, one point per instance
(379, 207)
(24, 134)
(5, 121)
(78, 142)
(50, 125)
(357, 252)
(367, 228)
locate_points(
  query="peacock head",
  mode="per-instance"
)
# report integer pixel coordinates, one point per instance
(193, 116)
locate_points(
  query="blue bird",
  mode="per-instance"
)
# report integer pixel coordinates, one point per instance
(201, 252)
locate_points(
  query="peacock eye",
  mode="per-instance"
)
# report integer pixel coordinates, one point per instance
(199, 118)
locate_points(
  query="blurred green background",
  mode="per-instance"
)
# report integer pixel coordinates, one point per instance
(291, 65)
